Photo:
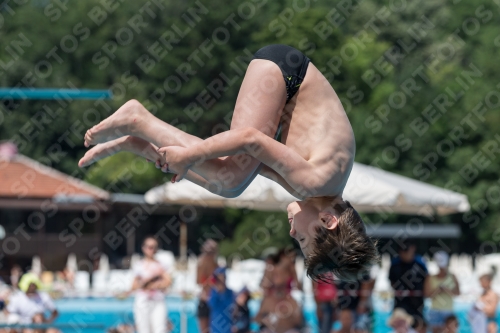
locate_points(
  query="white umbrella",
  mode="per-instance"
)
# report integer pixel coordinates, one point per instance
(369, 189)
(374, 190)
(261, 194)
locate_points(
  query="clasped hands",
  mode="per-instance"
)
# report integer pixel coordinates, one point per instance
(174, 160)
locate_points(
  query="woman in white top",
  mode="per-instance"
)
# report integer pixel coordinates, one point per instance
(150, 281)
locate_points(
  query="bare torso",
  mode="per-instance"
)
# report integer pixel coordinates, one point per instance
(316, 126)
(280, 315)
(281, 274)
(206, 266)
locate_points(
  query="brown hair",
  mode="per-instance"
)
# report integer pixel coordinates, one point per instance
(450, 318)
(487, 276)
(345, 251)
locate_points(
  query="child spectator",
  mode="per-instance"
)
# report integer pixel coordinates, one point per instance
(423, 328)
(401, 321)
(451, 324)
(241, 314)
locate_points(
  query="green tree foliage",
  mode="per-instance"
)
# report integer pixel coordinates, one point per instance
(256, 232)
(414, 78)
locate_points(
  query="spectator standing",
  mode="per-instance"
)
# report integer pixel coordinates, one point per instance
(347, 302)
(279, 312)
(207, 263)
(485, 308)
(221, 303)
(266, 281)
(364, 310)
(407, 276)
(282, 278)
(440, 288)
(28, 305)
(151, 279)
(325, 295)
(354, 304)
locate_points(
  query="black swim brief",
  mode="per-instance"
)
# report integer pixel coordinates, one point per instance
(292, 62)
(203, 309)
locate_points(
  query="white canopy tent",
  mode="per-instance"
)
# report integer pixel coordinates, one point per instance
(369, 189)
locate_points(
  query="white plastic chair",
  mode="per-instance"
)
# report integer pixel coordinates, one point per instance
(100, 281)
(120, 280)
(82, 281)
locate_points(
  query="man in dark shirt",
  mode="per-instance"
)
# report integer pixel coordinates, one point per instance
(354, 303)
(407, 275)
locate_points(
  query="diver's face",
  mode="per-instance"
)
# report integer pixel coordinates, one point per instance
(304, 219)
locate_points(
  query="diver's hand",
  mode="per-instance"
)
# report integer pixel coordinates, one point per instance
(176, 160)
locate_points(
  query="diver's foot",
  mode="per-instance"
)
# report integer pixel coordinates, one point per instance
(121, 123)
(128, 143)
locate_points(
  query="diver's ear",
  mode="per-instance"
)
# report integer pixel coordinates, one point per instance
(328, 220)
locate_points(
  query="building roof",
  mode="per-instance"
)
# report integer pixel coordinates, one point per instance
(22, 177)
